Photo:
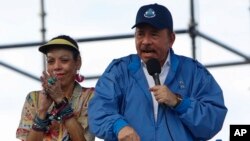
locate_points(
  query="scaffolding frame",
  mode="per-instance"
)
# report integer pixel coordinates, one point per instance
(192, 31)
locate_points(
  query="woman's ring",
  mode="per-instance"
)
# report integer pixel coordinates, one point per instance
(52, 80)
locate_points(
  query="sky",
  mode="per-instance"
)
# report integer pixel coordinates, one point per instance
(227, 21)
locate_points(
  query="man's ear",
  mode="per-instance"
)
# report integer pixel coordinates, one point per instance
(172, 39)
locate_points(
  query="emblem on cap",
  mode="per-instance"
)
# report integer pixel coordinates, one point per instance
(150, 13)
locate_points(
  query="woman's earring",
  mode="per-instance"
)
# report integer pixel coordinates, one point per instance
(79, 77)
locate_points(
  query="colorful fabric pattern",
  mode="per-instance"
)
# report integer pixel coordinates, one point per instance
(79, 102)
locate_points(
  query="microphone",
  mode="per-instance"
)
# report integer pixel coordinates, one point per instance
(154, 69)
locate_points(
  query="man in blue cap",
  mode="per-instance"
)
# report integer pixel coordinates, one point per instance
(181, 102)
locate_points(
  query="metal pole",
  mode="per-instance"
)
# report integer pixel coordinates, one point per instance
(19, 71)
(43, 29)
(192, 29)
(223, 45)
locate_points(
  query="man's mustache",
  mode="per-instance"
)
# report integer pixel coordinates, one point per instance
(147, 49)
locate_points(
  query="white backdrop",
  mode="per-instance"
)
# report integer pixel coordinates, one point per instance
(225, 20)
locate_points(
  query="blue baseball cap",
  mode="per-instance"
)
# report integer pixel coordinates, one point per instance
(156, 15)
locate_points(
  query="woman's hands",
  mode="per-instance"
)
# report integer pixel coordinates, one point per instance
(52, 89)
(51, 92)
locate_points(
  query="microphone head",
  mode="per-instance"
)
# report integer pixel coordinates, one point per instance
(153, 66)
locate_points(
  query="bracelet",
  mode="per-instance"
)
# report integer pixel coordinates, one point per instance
(40, 124)
(58, 107)
(65, 113)
(54, 113)
(61, 111)
(39, 128)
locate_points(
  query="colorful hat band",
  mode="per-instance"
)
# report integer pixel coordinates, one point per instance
(61, 42)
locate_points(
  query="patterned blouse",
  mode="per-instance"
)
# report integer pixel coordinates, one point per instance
(57, 132)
